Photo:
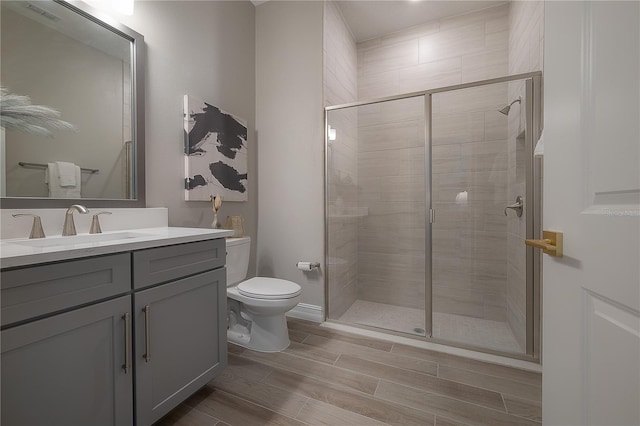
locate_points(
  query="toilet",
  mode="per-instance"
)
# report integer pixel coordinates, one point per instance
(256, 307)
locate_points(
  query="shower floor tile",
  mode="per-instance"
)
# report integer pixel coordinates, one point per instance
(382, 315)
(475, 331)
(478, 332)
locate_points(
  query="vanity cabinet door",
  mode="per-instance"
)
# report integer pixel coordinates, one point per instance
(68, 369)
(180, 341)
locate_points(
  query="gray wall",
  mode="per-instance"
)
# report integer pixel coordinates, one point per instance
(206, 49)
(289, 124)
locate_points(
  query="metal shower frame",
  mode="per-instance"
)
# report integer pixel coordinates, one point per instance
(533, 209)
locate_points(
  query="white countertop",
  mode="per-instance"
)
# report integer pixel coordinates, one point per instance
(18, 252)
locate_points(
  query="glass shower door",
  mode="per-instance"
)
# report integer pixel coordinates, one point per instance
(376, 215)
(479, 282)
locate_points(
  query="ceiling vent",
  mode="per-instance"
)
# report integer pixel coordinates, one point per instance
(42, 12)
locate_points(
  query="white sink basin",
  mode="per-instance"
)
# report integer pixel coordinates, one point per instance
(78, 239)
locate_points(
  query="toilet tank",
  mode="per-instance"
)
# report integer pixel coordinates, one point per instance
(238, 251)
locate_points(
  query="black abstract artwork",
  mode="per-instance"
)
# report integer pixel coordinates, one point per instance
(215, 149)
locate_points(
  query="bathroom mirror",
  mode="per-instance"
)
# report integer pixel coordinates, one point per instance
(90, 69)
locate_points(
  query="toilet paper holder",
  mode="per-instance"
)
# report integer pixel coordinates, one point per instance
(308, 266)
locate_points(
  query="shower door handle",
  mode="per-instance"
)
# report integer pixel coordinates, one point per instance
(517, 206)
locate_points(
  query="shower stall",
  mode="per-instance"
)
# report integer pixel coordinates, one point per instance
(429, 197)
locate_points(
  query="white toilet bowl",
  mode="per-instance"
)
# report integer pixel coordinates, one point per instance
(257, 307)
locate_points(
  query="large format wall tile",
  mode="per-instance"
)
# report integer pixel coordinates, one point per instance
(458, 128)
(397, 162)
(469, 191)
(469, 153)
(392, 136)
(481, 98)
(386, 58)
(377, 165)
(452, 42)
(430, 75)
(391, 112)
(391, 188)
(340, 86)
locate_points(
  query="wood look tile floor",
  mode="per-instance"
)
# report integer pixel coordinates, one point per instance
(331, 377)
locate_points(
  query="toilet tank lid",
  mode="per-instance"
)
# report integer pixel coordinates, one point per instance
(237, 241)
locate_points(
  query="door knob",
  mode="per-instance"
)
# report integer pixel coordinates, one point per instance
(517, 206)
(551, 243)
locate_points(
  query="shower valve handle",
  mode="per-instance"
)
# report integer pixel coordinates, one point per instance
(517, 206)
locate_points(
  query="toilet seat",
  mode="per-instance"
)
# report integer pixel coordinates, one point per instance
(269, 288)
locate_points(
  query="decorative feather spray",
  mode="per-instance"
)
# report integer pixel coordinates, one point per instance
(17, 113)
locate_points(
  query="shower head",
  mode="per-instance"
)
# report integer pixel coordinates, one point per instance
(506, 109)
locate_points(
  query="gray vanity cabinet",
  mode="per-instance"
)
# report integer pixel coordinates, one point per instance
(180, 344)
(79, 336)
(68, 369)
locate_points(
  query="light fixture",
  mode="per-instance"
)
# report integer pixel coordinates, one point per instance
(331, 133)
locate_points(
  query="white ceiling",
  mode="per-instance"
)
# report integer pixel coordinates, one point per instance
(373, 18)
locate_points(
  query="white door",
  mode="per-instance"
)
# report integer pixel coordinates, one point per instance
(591, 296)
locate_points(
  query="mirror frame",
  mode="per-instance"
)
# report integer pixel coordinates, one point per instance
(138, 121)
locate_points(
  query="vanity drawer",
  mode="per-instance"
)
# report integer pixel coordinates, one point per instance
(39, 290)
(162, 264)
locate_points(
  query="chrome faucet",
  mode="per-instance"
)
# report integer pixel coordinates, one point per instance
(69, 227)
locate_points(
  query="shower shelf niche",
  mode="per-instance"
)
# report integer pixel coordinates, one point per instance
(348, 213)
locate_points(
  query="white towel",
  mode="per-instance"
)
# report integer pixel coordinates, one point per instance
(67, 173)
(52, 177)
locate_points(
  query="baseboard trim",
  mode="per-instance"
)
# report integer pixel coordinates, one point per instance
(307, 312)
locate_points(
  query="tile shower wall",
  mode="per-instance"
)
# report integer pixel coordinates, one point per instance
(470, 143)
(526, 22)
(391, 187)
(340, 73)
(438, 53)
(469, 193)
